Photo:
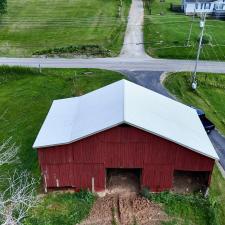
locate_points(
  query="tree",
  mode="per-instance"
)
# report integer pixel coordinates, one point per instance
(19, 195)
(8, 152)
(3, 6)
(17, 199)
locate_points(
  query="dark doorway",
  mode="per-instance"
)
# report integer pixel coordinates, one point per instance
(123, 180)
(190, 181)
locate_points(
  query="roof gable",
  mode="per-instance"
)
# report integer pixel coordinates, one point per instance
(72, 119)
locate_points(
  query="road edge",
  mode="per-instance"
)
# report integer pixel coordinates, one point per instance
(222, 171)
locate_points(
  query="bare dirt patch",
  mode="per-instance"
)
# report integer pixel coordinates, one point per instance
(125, 210)
(122, 205)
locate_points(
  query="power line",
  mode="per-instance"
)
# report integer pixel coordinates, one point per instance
(202, 26)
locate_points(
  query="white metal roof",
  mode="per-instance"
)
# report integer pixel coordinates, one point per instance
(75, 118)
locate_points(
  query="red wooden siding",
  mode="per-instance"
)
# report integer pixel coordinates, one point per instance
(120, 147)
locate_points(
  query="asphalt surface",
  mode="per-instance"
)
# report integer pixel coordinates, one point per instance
(119, 63)
(151, 80)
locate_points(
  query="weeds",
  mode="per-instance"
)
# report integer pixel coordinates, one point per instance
(58, 208)
(114, 216)
(135, 221)
(192, 208)
(87, 50)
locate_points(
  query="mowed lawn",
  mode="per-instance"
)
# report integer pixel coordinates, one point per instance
(35, 25)
(210, 97)
(25, 99)
(166, 35)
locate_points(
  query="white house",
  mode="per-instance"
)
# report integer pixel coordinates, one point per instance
(210, 7)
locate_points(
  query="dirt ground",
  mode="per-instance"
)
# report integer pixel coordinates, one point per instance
(123, 206)
(123, 182)
(117, 209)
(185, 183)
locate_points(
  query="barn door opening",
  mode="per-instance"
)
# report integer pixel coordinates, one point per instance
(190, 181)
(123, 180)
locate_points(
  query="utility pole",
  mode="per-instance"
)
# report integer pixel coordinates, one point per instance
(202, 26)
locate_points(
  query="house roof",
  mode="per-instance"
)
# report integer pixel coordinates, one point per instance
(75, 118)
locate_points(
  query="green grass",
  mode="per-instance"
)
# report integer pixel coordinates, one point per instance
(210, 97)
(61, 208)
(185, 209)
(34, 25)
(217, 194)
(26, 96)
(166, 35)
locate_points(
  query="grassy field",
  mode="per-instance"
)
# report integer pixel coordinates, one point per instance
(62, 209)
(210, 97)
(36, 25)
(26, 96)
(166, 35)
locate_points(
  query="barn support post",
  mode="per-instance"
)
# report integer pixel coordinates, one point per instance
(92, 184)
(57, 182)
(45, 184)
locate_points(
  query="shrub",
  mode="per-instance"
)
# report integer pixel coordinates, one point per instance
(87, 50)
(205, 40)
(3, 6)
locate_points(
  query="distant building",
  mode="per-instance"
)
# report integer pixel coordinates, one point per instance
(215, 8)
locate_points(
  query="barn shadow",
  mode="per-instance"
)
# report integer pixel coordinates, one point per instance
(185, 182)
(123, 181)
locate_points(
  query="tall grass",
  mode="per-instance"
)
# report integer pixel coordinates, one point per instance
(61, 208)
(185, 209)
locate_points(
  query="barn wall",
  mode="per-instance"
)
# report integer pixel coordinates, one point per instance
(120, 147)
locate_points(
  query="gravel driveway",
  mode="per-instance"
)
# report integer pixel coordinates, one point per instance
(133, 41)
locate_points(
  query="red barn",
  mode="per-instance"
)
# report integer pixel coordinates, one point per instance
(122, 126)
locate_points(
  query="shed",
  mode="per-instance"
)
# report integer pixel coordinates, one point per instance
(122, 126)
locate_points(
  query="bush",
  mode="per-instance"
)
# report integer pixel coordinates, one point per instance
(145, 192)
(176, 8)
(3, 6)
(205, 40)
(87, 50)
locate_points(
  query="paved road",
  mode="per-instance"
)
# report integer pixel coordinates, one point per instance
(151, 80)
(132, 46)
(139, 64)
